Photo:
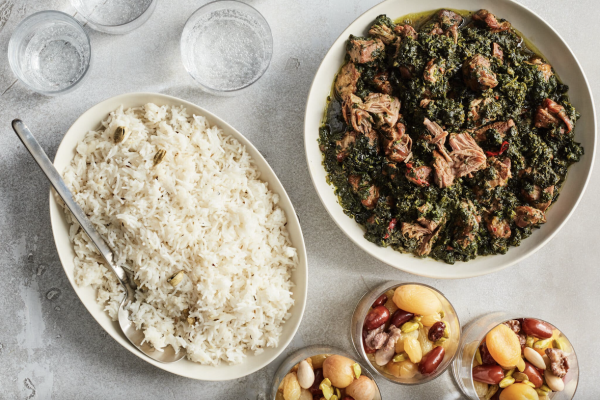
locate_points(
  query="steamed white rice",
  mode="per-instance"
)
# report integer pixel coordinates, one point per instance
(202, 210)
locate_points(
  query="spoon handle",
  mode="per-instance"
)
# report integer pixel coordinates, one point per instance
(65, 194)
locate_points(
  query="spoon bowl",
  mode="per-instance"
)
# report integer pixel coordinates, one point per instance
(134, 335)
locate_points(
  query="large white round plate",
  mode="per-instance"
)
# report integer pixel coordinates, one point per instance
(90, 120)
(550, 44)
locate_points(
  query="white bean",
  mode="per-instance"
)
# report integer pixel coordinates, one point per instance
(306, 375)
(534, 357)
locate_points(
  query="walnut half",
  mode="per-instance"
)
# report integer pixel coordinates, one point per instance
(558, 362)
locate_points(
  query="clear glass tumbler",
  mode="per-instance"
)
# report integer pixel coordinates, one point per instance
(450, 319)
(472, 336)
(49, 52)
(226, 46)
(303, 354)
(114, 16)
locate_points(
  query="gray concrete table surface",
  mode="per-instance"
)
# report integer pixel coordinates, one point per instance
(51, 348)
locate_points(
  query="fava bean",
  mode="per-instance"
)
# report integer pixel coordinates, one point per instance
(376, 317)
(381, 300)
(400, 317)
(537, 328)
(432, 360)
(491, 374)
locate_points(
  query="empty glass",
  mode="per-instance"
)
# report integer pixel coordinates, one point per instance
(114, 16)
(49, 52)
(226, 46)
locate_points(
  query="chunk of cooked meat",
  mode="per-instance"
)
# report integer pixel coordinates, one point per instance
(384, 108)
(362, 51)
(546, 115)
(502, 127)
(545, 69)
(444, 175)
(419, 176)
(437, 137)
(405, 31)
(433, 70)
(484, 17)
(426, 245)
(527, 216)
(368, 193)
(342, 146)
(396, 144)
(382, 82)
(467, 156)
(449, 22)
(345, 83)
(468, 223)
(497, 52)
(355, 116)
(376, 338)
(478, 74)
(427, 223)
(498, 227)
(383, 32)
(414, 231)
(535, 196)
(425, 102)
(474, 107)
(501, 171)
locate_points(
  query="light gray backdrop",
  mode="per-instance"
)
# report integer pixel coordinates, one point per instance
(51, 348)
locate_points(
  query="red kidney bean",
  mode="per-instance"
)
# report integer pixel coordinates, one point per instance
(432, 360)
(486, 357)
(436, 331)
(381, 300)
(537, 328)
(377, 317)
(400, 317)
(314, 389)
(491, 374)
(534, 376)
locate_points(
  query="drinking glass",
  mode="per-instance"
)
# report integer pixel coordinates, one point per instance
(114, 16)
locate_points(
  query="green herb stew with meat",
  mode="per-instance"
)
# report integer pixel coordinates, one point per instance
(447, 138)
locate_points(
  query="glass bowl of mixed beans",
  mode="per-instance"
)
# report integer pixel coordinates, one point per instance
(407, 333)
(323, 372)
(508, 357)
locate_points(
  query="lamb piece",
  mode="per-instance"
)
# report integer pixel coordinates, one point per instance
(448, 19)
(426, 245)
(498, 228)
(419, 176)
(436, 29)
(383, 32)
(486, 18)
(382, 83)
(369, 193)
(467, 156)
(385, 354)
(405, 31)
(546, 115)
(497, 52)
(501, 127)
(384, 108)
(474, 107)
(527, 216)
(534, 197)
(356, 116)
(546, 69)
(478, 74)
(362, 51)
(502, 170)
(376, 338)
(345, 83)
(559, 363)
(396, 144)
(425, 102)
(469, 223)
(414, 231)
(438, 137)
(342, 146)
(444, 175)
(433, 71)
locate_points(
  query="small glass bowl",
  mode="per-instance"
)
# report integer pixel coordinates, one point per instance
(311, 351)
(451, 319)
(226, 46)
(472, 336)
(114, 16)
(50, 52)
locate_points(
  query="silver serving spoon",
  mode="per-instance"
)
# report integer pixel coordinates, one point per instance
(136, 337)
